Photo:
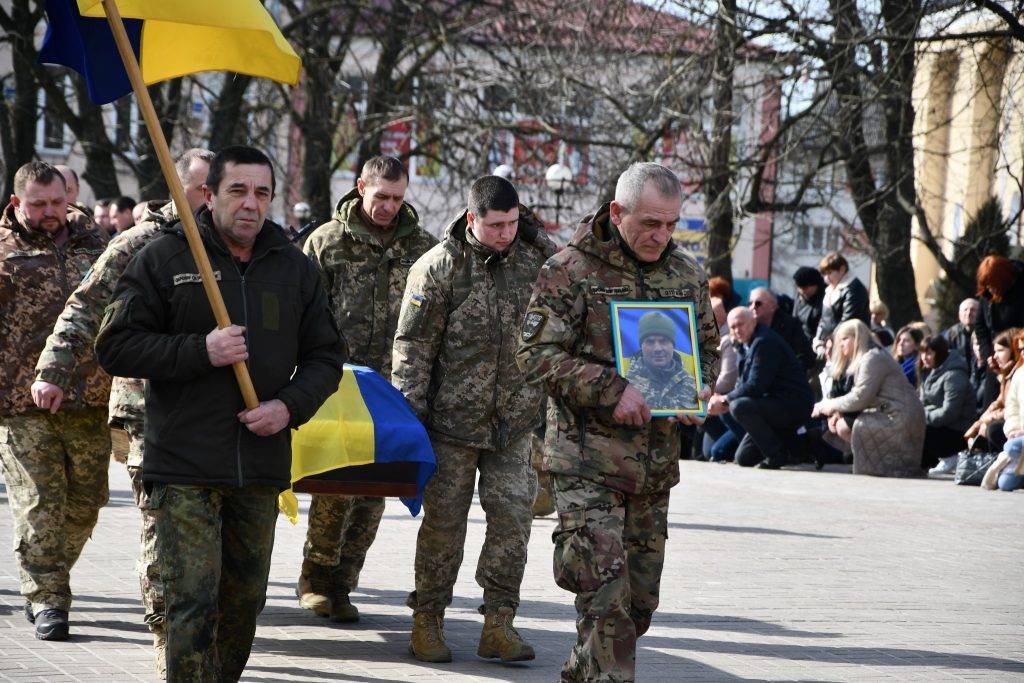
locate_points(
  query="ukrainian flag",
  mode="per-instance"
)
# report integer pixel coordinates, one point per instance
(366, 421)
(170, 38)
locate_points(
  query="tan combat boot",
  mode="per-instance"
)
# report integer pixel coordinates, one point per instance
(427, 642)
(342, 609)
(314, 588)
(501, 640)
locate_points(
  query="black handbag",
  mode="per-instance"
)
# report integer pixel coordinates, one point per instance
(971, 467)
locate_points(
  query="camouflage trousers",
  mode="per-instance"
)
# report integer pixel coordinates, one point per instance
(544, 504)
(609, 551)
(147, 566)
(55, 468)
(508, 486)
(341, 530)
(215, 545)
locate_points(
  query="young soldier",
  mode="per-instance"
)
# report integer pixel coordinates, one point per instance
(612, 465)
(54, 445)
(363, 254)
(454, 359)
(76, 329)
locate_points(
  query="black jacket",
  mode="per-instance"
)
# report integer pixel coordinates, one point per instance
(808, 311)
(959, 338)
(156, 326)
(792, 332)
(768, 368)
(851, 304)
(993, 318)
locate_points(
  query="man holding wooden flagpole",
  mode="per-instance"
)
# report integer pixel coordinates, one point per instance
(184, 37)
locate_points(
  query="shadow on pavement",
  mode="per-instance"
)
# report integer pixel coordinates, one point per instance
(745, 530)
(865, 656)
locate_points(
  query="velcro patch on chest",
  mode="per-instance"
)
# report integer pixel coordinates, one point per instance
(192, 278)
(621, 290)
(406, 262)
(684, 293)
(534, 324)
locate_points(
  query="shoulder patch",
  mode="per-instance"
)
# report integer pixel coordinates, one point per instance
(534, 324)
(192, 278)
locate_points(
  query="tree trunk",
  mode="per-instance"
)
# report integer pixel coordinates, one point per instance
(886, 224)
(719, 180)
(20, 115)
(167, 103)
(91, 133)
(382, 96)
(227, 112)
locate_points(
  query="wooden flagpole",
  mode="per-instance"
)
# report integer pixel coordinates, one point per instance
(195, 242)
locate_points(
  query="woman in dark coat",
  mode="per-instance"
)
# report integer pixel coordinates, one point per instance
(949, 404)
(846, 298)
(1001, 293)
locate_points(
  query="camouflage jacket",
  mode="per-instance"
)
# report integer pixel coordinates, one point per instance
(364, 280)
(36, 279)
(663, 390)
(454, 355)
(76, 328)
(566, 346)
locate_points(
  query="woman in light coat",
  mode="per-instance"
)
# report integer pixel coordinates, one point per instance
(881, 416)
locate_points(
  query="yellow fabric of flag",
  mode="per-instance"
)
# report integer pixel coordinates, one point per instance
(183, 37)
(341, 434)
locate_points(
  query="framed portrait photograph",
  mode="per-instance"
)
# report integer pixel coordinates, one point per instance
(656, 351)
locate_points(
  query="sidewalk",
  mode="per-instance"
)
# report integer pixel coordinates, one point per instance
(770, 575)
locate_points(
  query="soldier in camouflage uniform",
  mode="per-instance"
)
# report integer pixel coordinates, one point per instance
(613, 465)
(54, 446)
(76, 329)
(363, 254)
(657, 370)
(454, 359)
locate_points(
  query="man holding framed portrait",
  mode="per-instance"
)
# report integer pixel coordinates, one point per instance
(612, 443)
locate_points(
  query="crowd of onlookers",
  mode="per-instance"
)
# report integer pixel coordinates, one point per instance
(821, 377)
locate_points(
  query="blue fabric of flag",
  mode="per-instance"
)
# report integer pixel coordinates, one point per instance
(404, 439)
(87, 46)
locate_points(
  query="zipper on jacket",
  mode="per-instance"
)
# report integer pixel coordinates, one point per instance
(641, 286)
(498, 279)
(248, 346)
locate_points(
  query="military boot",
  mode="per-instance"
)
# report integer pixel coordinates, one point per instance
(160, 652)
(52, 624)
(427, 642)
(501, 640)
(342, 609)
(314, 588)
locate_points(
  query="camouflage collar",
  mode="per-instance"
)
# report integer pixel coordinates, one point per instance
(349, 215)
(637, 362)
(78, 223)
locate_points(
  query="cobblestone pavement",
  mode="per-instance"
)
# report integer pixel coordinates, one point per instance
(770, 575)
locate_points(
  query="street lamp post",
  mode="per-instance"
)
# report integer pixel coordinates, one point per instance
(558, 178)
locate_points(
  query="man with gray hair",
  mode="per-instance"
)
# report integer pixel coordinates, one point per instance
(76, 330)
(612, 465)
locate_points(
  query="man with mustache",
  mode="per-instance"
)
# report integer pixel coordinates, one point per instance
(212, 467)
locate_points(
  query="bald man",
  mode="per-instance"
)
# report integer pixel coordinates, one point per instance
(70, 182)
(771, 398)
(765, 307)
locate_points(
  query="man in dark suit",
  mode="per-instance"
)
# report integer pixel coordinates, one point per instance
(771, 398)
(765, 307)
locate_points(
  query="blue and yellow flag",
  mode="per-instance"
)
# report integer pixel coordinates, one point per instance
(171, 38)
(366, 421)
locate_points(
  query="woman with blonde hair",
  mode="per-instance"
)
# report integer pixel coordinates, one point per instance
(881, 416)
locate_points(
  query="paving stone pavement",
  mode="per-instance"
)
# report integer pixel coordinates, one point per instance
(770, 575)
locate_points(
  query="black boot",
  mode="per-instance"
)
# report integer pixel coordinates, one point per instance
(52, 624)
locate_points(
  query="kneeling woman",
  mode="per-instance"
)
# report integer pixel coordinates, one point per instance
(881, 416)
(950, 405)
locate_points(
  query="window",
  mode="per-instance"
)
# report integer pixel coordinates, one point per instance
(51, 132)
